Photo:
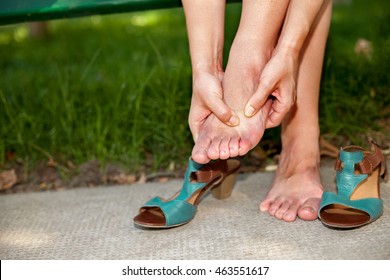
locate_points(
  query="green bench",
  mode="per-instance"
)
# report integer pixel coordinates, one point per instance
(16, 11)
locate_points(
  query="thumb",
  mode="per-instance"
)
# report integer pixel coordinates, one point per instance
(259, 98)
(222, 111)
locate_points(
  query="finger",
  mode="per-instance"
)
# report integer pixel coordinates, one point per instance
(259, 98)
(195, 132)
(194, 127)
(274, 119)
(277, 113)
(221, 110)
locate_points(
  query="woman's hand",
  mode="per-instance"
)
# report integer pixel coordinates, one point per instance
(279, 77)
(207, 98)
(277, 81)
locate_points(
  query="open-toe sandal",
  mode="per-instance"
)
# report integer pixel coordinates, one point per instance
(219, 176)
(357, 201)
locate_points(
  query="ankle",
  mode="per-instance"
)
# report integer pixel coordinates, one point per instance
(300, 159)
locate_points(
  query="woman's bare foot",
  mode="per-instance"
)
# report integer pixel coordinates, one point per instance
(251, 49)
(219, 141)
(296, 189)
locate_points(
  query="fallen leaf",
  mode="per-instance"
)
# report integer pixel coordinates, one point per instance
(259, 153)
(142, 178)
(327, 149)
(364, 47)
(8, 179)
(271, 168)
(70, 165)
(123, 179)
(51, 162)
(163, 179)
(157, 176)
(172, 166)
(10, 155)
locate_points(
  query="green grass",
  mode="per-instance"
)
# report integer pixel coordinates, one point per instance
(117, 88)
(355, 95)
(114, 88)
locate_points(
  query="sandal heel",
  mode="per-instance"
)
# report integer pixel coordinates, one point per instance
(225, 188)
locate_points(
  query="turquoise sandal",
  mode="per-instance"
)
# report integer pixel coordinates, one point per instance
(357, 202)
(219, 176)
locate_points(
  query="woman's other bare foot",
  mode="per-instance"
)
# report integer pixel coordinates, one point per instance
(296, 189)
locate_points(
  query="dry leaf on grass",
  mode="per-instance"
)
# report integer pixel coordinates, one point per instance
(327, 149)
(123, 179)
(364, 47)
(259, 153)
(142, 178)
(8, 179)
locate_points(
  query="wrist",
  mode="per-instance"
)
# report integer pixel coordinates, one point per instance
(201, 72)
(207, 63)
(289, 50)
(293, 38)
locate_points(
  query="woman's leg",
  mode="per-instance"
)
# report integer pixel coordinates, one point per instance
(297, 189)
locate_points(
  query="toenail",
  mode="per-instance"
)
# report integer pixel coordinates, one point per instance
(309, 208)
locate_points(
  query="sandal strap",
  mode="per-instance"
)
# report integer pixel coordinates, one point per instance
(369, 162)
(352, 158)
(198, 175)
(177, 210)
(347, 182)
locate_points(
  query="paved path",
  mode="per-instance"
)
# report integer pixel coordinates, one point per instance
(97, 224)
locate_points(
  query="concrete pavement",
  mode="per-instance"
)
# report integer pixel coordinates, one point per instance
(96, 223)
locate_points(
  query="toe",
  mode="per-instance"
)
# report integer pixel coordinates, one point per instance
(213, 151)
(234, 146)
(244, 147)
(308, 210)
(224, 152)
(290, 215)
(264, 205)
(282, 209)
(275, 206)
(199, 152)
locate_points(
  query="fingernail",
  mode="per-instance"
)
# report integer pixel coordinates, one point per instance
(249, 111)
(234, 121)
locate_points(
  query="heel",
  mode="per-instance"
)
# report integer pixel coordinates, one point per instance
(225, 188)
